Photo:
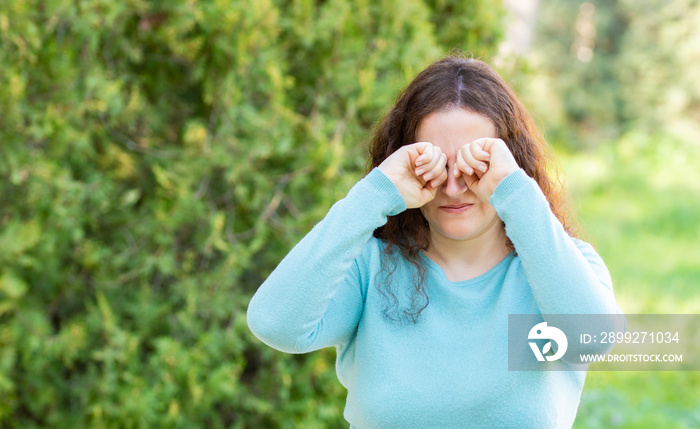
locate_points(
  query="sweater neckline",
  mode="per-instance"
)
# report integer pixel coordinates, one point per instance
(433, 266)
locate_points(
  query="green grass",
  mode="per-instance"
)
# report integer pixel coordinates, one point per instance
(638, 203)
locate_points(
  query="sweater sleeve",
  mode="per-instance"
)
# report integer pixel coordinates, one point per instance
(313, 299)
(565, 274)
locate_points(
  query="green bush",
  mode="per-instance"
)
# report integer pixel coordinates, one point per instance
(158, 160)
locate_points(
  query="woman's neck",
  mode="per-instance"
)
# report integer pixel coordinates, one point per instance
(466, 259)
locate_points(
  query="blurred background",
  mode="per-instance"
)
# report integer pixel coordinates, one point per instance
(159, 158)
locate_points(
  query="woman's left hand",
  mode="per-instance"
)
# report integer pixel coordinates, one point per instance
(483, 163)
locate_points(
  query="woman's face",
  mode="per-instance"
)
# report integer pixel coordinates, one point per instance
(456, 213)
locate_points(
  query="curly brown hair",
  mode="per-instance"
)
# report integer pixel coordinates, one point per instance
(470, 84)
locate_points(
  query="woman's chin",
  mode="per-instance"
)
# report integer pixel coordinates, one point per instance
(457, 233)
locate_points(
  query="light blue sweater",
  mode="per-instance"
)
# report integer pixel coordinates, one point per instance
(451, 368)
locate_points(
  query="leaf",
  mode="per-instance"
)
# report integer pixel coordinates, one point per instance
(19, 237)
(12, 285)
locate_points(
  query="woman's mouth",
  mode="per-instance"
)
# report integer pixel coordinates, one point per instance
(456, 208)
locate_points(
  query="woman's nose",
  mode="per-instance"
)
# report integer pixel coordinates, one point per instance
(453, 186)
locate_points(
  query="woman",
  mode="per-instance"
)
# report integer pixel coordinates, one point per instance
(413, 274)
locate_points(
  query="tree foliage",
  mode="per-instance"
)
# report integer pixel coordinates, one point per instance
(639, 75)
(158, 159)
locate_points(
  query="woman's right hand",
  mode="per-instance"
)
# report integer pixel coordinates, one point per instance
(417, 170)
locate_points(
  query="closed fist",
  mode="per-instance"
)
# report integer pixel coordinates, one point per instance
(482, 164)
(417, 170)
